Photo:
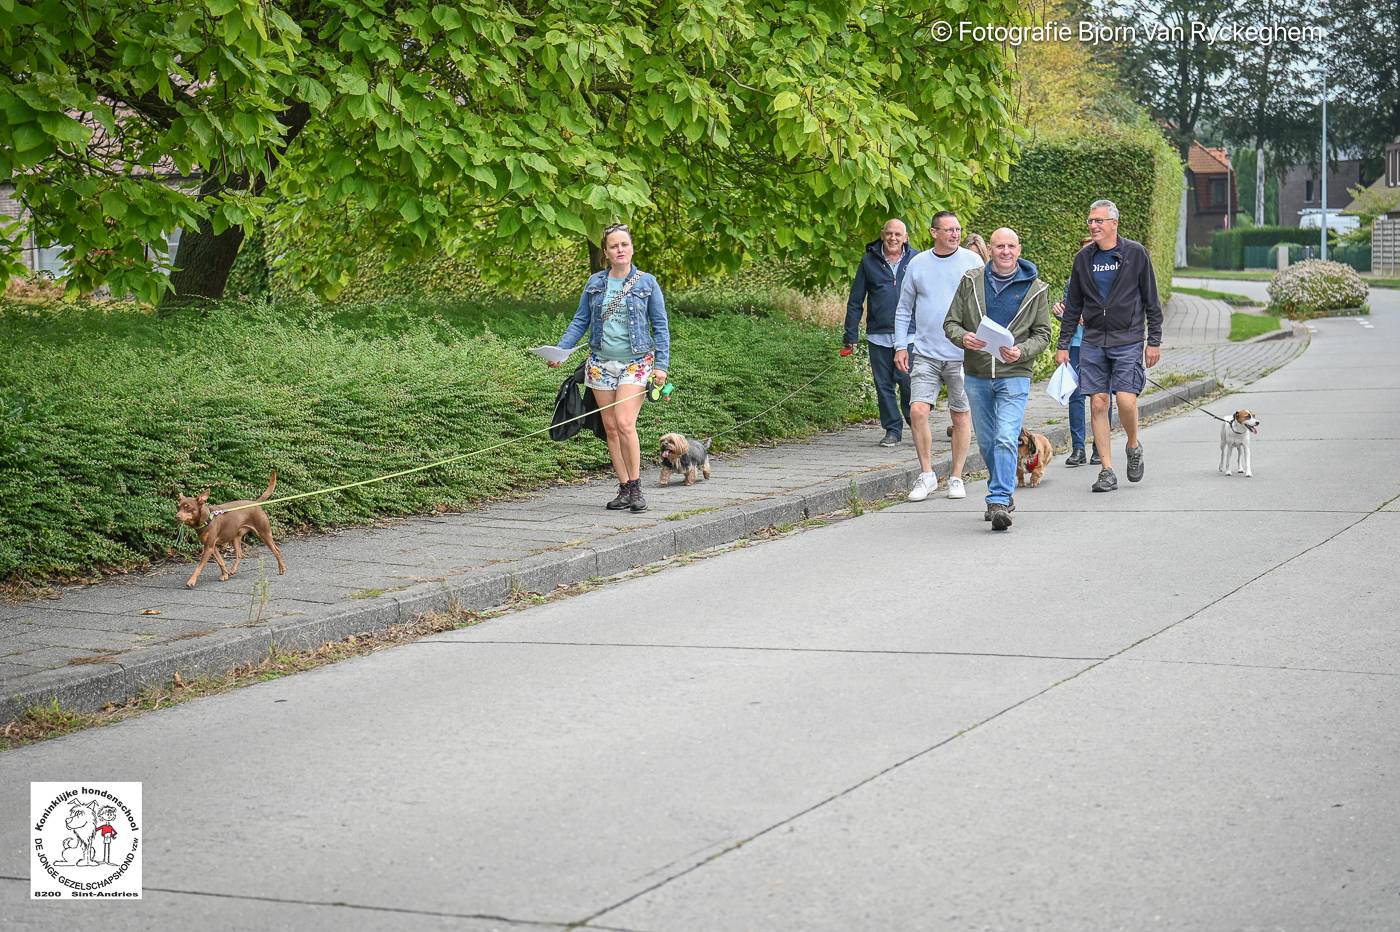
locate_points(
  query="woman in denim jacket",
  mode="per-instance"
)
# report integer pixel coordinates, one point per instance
(629, 342)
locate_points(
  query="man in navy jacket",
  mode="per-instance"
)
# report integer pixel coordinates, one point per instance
(1113, 293)
(876, 288)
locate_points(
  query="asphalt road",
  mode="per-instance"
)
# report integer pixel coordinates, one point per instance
(1173, 706)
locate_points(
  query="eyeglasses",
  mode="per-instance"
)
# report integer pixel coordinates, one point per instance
(616, 228)
(1097, 222)
(957, 230)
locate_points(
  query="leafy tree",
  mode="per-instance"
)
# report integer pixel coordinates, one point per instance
(1270, 98)
(1364, 73)
(1165, 54)
(490, 129)
(1064, 89)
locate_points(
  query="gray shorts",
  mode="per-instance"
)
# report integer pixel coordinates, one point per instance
(926, 374)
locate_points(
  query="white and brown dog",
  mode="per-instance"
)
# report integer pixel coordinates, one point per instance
(1235, 437)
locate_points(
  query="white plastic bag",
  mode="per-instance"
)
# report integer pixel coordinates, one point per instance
(1062, 384)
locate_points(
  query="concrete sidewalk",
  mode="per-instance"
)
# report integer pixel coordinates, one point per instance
(91, 645)
(1192, 321)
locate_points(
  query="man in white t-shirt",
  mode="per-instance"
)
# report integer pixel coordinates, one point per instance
(924, 352)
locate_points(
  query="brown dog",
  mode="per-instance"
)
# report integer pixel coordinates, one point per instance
(218, 530)
(1033, 454)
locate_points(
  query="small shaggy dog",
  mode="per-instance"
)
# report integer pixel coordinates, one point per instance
(679, 453)
(1033, 454)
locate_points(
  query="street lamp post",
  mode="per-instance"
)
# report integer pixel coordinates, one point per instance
(1324, 162)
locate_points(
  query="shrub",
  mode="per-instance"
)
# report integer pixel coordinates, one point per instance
(37, 287)
(1049, 190)
(1313, 287)
(220, 395)
(1227, 246)
(1198, 257)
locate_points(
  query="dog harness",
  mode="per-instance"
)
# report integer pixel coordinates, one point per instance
(1033, 463)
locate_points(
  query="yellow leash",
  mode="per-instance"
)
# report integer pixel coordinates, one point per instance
(406, 472)
(497, 446)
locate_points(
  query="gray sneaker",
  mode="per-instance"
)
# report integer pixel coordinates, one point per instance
(1001, 517)
(1010, 507)
(1134, 463)
(891, 439)
(1107, 482)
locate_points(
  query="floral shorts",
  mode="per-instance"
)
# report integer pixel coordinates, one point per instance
(607, 374)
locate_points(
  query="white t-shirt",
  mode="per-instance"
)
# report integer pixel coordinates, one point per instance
(930, 281)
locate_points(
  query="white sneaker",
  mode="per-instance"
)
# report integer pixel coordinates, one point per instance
(925, 484)
(955, 488)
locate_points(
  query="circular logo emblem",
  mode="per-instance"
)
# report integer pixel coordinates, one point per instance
(86, 840)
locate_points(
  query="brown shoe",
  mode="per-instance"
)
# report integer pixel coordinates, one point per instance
(639, 502)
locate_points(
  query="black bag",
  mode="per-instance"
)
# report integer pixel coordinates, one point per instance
(575, 410)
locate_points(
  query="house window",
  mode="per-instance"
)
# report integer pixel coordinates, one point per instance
(1218, 193)
(49, 259)
(1392, 175)
(1308, 190)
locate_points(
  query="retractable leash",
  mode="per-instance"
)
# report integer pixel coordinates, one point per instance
(844, 353)
(407, 472)
(1223, 420)
(656, 393)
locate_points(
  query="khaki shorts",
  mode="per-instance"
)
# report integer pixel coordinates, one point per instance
(926, 374)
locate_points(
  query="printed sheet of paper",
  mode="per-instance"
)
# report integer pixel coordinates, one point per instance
(552, 353)
(995, 336)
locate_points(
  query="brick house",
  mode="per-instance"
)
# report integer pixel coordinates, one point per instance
(1300, 191)
(1213, 197)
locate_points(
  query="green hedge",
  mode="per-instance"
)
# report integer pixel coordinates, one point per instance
(1227, 246)
(1048, 193)
(219, 397)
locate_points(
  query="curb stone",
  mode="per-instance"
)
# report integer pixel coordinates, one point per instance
(477, 590)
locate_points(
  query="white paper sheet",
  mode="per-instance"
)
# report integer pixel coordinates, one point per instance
(995, 336)
(552, 353)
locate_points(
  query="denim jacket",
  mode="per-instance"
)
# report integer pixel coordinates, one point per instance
(646, 314)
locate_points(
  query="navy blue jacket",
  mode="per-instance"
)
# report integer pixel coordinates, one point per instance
(877, 288)
(1133, 305)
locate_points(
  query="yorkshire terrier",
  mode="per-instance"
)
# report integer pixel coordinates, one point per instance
(689, 456)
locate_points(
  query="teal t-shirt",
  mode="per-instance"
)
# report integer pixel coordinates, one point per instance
(617, 340)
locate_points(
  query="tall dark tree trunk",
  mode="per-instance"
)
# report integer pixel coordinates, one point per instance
(204, 260)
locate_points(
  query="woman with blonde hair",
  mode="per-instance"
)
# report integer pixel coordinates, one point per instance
(629, 341)
(978, 245)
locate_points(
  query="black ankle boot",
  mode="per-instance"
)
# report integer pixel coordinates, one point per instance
(623, 499)
(639, 502)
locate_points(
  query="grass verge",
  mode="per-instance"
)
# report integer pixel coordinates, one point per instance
(1230, 298)
(1246, 326)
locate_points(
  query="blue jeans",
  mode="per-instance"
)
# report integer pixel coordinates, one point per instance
(998, 408)
(1076, 407)
(893, 414)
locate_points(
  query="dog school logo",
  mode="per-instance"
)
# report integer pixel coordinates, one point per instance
(87, 841)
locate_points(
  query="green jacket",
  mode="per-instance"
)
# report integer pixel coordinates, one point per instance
(1030, 326)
